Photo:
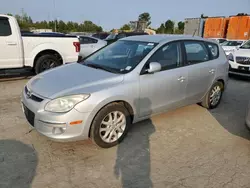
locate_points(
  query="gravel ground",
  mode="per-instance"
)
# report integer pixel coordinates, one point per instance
(188, 147)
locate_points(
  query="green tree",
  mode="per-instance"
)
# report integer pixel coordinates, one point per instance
(145, 17)
(161, 29)
(169, 27)
(125, 27)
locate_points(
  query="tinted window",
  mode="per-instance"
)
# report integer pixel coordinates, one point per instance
(214, 50)
(169, 56)
(5, 29)
(196, 52)
(87, 40)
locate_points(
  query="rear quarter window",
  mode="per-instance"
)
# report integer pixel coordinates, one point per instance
(5, 29)
(213, 49)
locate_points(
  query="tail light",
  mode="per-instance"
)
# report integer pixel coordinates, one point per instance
(77, 46)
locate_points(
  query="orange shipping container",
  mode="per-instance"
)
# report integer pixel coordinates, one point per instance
(216, 27)
(239, 28)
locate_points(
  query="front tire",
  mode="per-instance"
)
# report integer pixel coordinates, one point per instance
(110, 125)
(213, 97)
(46, 62)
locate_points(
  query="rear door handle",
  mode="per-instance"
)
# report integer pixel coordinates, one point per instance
(11, 43)
(181, 79)
(212, 71)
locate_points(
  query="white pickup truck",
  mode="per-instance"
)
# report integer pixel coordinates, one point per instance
(37, 52)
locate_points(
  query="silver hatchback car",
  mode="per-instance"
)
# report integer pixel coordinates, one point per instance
(123, 83)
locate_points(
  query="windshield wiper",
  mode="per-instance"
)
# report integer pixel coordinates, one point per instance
(96, 66)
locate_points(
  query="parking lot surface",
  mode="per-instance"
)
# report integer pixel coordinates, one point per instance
(188, 147)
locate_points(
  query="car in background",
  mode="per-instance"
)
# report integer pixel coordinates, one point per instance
(123, 83)
(248, 117)
(101, 35)
(116, 36)
(88, 45)
(239, 60)
(219, 40)
(25, 51)
(52, 33)
(230, 45)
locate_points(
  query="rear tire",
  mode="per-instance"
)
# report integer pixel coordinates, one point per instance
(46, 62)
(213, 97)
(106, 130)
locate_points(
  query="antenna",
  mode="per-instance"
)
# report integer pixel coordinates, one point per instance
(194, 32)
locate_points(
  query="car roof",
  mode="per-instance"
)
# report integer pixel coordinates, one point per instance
(159, 38)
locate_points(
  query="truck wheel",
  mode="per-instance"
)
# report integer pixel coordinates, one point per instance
(110, 125)
(46, 62)
(213, 97)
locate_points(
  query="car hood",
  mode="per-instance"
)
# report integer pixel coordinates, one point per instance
(72, 79)
(242, 52)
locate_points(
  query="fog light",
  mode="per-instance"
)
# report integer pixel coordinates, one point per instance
(58, 130)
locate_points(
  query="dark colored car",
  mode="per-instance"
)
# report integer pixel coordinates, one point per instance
(101, 36)
(114, 36)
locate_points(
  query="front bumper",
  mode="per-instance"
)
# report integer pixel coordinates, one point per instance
(239, 69)
(55, 126)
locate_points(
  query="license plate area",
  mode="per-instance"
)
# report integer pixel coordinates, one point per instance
(244, 68)
(30, 116)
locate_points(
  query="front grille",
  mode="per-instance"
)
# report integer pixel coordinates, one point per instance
(243, 60)
(30, 116)
(32, 96)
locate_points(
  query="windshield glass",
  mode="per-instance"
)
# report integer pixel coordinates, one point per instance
(246, 45)
(119, 57)
(111, 36)
(231, 43)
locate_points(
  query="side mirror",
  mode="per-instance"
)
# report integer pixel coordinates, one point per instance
(154, 67)
(238, 47)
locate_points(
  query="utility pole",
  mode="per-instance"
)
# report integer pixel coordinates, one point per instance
(54, 1)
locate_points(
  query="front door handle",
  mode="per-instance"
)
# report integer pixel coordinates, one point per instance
(212, 71)
(181, 79)
(11, 43)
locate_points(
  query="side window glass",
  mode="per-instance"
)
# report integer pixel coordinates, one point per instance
(196, 52)
(169, 56)
(214, 49)
(5, 29)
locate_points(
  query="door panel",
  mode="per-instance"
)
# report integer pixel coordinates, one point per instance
(201, 69)
(163, 90)
(10, 56)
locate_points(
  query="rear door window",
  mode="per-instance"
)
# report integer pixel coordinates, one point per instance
(196, 52)
(5, 29)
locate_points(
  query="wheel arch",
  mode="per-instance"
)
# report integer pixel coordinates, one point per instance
(46, 52)
(126, 104)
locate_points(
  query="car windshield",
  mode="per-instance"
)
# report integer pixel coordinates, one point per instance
(231, 43)
(111, 36)
(120, 57)
(246, 45)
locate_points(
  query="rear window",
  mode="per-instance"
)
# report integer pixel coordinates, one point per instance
(213, 49)
(5, 29)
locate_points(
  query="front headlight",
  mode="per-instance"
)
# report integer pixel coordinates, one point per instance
(230, 57)
(65, 104)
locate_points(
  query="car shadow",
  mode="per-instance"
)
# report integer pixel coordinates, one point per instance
(231, 112)
(133, 155)
(18, 163)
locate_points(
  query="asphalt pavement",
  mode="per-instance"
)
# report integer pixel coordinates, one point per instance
(188, 147)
